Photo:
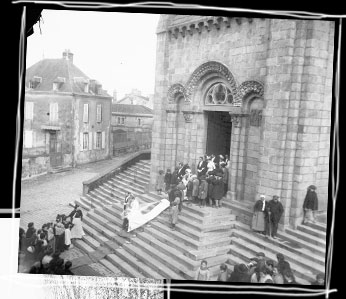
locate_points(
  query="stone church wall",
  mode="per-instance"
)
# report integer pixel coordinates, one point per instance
(292, 60)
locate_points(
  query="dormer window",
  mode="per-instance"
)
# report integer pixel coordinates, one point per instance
(83, 83)
(34, 82)
(58, 82)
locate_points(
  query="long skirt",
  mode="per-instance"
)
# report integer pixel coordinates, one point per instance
(77, 229)
(258, 222)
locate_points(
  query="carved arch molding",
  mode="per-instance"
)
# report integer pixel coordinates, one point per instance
(238, 92)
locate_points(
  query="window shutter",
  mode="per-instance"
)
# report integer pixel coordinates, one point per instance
(86, 113)
(28, 139)
(51, 112)
(81, 141)
(90, 140)
(56, 112)
(98, 113)
(95, 137)
(103, 139)
(29, 110)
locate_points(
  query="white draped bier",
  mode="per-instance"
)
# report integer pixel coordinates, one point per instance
(141, 213)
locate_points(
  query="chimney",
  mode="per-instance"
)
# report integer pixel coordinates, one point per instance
(67, 55)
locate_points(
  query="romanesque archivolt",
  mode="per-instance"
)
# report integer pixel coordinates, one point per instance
(247, 88)
(220, 93)
(175, 91)
(208, 68)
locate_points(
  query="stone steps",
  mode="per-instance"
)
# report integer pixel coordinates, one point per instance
(133, 176)
(303, 236)
(123, 265)
(142, 267)
(312, 231)
(185, 248)
(319, 226)
(313, 263)
(304, 251)
(111, 267)
(125, 186)
(125, 179)
(246, 250)
(83, 246)
(151, 261)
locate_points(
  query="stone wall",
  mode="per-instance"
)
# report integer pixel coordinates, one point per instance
(292, 59)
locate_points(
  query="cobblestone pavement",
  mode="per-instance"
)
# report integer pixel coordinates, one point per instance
(43, 197)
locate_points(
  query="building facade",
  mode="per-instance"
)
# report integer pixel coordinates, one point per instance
(259, 90)
(66, 117)
(131, 127)
(136, 98)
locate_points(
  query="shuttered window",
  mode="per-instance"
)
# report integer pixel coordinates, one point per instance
(86, 113)
(99, 113)
(85, 141)
(99, 140)
(29, 110)
(53, 112)
(28, 139)
(103, 139)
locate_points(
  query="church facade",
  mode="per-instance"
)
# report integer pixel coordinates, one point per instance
(259, 90)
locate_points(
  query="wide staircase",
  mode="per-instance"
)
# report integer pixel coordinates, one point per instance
(217, 235)
(304, 248)
(157, 252)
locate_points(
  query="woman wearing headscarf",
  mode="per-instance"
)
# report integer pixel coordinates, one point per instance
(259, 216)
(310, 205)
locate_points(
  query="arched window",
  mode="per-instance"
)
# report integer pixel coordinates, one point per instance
(219, 94)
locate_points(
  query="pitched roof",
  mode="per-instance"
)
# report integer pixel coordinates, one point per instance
(133, 96)
(131, 109)
(51, 69)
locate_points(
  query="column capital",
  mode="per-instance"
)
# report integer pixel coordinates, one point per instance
(236, 119)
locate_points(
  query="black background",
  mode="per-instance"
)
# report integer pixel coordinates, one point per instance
(10, 30)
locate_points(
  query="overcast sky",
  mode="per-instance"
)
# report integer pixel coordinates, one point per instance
(117, 49)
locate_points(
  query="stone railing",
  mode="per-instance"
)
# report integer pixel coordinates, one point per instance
(113, 170)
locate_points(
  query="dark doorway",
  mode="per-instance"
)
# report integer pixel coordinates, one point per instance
(54, 152)
(219, 133)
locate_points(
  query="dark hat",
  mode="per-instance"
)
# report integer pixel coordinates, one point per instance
(31, 224)
(275, 197)
(313, 187)
(270, 263)
(280, 256)
(223, 267)
(320, 276)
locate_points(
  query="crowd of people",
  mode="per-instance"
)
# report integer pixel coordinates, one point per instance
(206, 187)
(40, 249)
(260, 269)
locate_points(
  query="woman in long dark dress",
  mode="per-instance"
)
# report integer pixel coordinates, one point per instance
(310, 205)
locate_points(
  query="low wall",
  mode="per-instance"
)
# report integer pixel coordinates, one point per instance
(113, 170)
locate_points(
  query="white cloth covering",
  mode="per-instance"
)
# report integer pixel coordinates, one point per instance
(77, 229)
(141, 213)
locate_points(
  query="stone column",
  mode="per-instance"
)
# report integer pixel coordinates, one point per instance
(235, 157)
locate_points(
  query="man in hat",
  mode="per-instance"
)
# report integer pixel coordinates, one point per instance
(258, 218)
(201, 167)
(273, 215)
(310, 205)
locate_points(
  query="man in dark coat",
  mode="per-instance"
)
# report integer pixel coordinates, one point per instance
(181, 170)
(310, 205)
(273, 215)
(210, 179)
(174, 178)
(202, 167)
(218, 188)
